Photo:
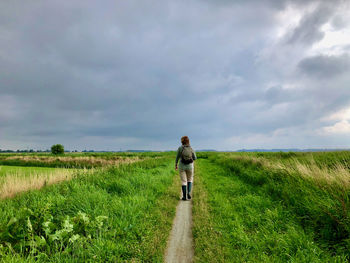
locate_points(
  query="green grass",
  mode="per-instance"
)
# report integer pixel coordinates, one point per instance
(244, 210)
(94, 154)
(25, 171)
(123, 214)
(74, 160)
(256, 215)
(328, 159)
(16, 179)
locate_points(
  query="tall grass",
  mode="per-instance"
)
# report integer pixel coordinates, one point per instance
(19, 181)
(69, 161)
(327, 184)
(337, 173)
(135, 201)
(280, 208)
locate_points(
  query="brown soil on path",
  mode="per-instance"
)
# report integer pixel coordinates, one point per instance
(180, 243)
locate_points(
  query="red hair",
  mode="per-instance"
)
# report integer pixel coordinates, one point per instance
(185, 140)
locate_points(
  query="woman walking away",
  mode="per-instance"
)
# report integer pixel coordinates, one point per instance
(186, 155)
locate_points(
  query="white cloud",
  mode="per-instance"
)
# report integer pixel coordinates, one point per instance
(333, 42)
(341, 115)
(342, 127)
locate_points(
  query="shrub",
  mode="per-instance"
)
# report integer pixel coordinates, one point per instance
(57, 149)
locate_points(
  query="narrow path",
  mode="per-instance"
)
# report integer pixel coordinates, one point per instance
(180, 243)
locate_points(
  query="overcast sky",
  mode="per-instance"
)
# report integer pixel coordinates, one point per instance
(139, 74)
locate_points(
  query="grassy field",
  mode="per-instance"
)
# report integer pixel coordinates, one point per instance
(247, 207)
(262, 208)
(17, 179)
(25, 171)
(120, 214)
(75, 160)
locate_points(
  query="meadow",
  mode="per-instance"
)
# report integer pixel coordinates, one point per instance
(116, 214)
(73, 160)
(247, 207)
(25, 171)
(17, 179)
(272, 207)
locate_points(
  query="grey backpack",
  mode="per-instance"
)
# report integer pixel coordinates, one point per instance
(186, 155)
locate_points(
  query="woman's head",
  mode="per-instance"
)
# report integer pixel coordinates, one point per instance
(185, 140)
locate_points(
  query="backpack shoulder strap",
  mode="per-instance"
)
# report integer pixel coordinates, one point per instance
(183, 148)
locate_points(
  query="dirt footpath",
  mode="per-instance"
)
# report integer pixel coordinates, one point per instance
(180, 243)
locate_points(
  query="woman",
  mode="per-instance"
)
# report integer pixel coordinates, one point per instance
(187, 156)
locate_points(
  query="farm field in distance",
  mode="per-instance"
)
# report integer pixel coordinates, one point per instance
(119, 207)
(25, 171)
(17, 179)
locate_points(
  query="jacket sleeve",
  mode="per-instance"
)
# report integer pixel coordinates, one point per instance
(194, 156)
(178, 155)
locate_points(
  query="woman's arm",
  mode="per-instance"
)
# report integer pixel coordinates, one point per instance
(178, 156)
(194, 156)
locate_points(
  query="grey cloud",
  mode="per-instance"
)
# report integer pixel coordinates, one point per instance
(323, 66)
(309, 29)
(268, 98)
(150, 72)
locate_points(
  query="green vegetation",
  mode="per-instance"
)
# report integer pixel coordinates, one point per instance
(329, 159)
(247, 207)
(57, 149)
(261, 208)
(76, 160)
(25, 171)
(117, 214)
(17, 179)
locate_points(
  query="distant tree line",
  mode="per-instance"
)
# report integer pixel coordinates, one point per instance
(23, 151)
(41, 151)
(30, 151)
